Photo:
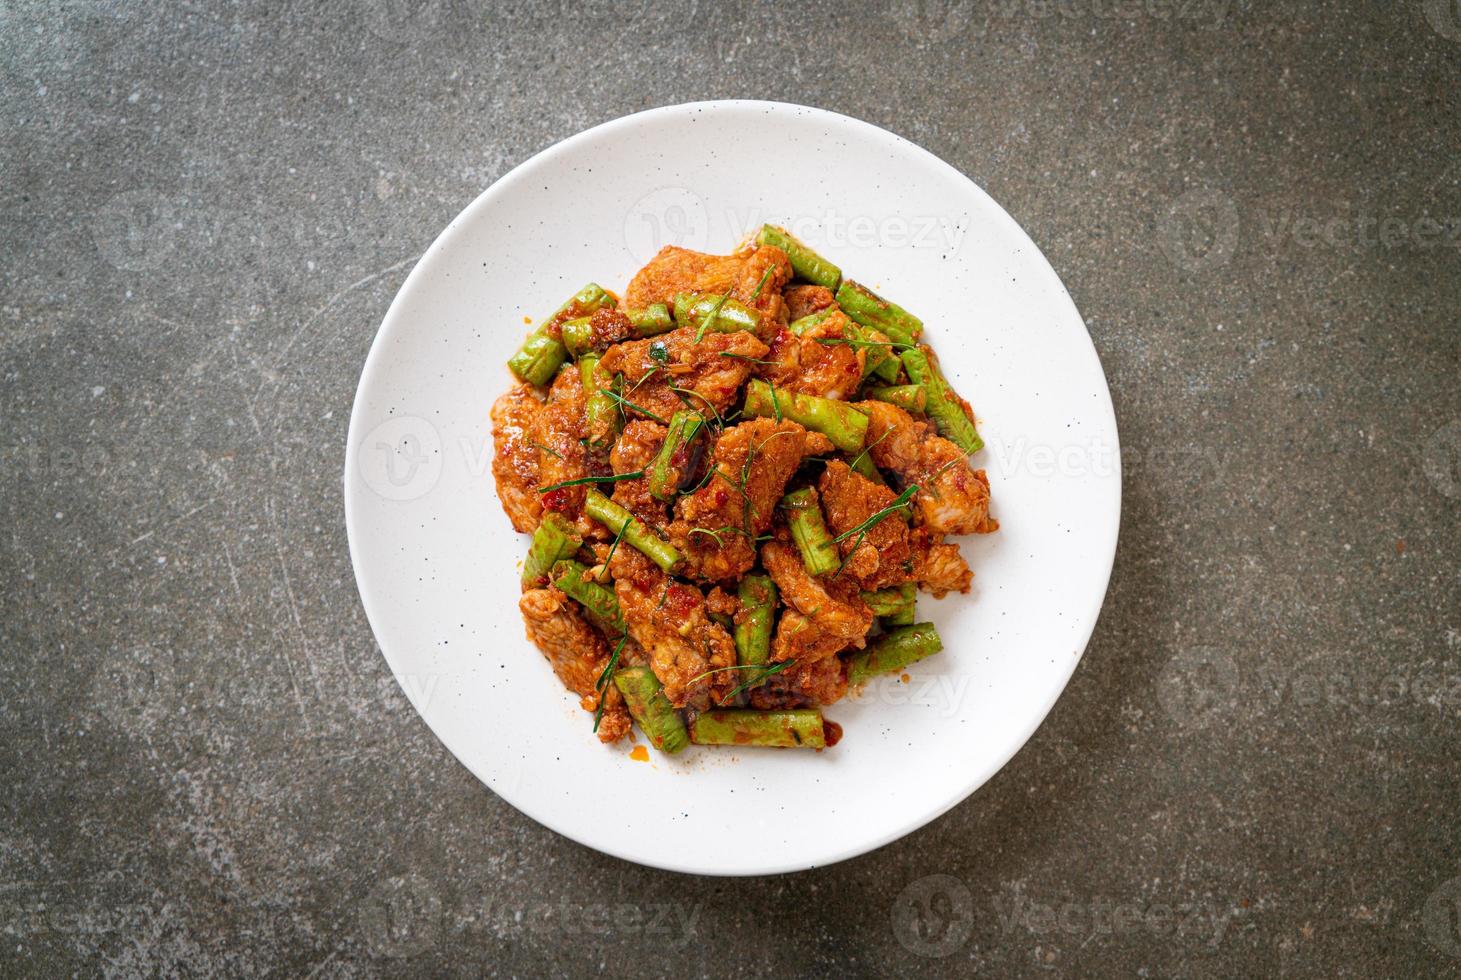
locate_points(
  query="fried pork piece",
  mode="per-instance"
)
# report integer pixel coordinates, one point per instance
(803, 638)
(938, 567)
(737, 503)
(826, 615)
(515, 458)
(881, 557)
(805, 300)
(670, 621)
(632, 655)
(952, 498)
(810, 365)
(610, 326)
(577, 653)
(679, 270)
(722, 603)
(634, 452)
(806, 685)
(558, 431)
(714, 369)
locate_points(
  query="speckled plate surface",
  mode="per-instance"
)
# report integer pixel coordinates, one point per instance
(437, 562)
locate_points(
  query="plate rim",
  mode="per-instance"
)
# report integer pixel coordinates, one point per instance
(376, 358)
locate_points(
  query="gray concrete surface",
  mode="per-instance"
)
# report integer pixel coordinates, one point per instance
(205, 767)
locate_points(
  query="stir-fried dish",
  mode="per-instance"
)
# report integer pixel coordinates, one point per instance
(737, 477)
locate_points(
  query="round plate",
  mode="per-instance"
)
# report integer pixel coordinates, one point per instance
(438, 563)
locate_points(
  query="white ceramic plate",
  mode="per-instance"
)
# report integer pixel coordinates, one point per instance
(437, 562)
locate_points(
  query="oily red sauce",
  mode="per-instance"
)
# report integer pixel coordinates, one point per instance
(681, 601)
(831, 732)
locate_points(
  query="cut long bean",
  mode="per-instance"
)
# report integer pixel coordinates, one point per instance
(871, 310)
(572, 578)
(801, 326)
(757, 594)
(943, 406)
(802, 728)
(653, 319)
(809, 531)
(838, 421)
(601, 412)
(695, 309)
(538, 359)
(635, 532)
(554, 540)
(881, 360)
(543, 353)
(895, 606)
(578, 336)
(911, 398)
(894, 650)
(805, 263)
(657, 718)
(672, 460)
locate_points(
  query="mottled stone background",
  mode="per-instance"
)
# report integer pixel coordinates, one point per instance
(205, 767)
